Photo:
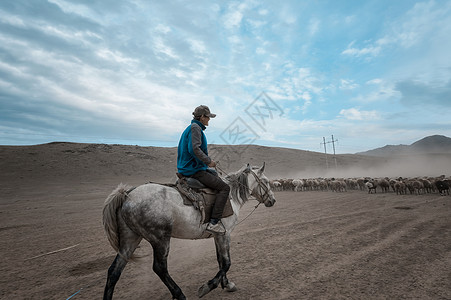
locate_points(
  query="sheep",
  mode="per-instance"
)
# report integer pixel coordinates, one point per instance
(308, 185)
(385, 186)
(371, 186)
(443, 186)
(400, 188)
(392, 183)
(351, 183)
(275, 185)
(323, 185)
(338, 186)
(287, 185)
(427, 185)
(315, 184)
(298, 184)
(409, 186)
(399, 185)
(418, 186)
(361, 182)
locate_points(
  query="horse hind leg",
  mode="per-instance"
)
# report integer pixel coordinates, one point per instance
(160, 266)
(129, 243)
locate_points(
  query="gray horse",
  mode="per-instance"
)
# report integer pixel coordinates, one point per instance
(157, 213)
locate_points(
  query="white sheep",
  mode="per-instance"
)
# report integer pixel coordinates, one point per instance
(298, 184)
(276, 185)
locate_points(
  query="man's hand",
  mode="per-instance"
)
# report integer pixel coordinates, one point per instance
(212, 164)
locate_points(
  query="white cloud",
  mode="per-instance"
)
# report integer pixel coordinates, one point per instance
(162, 28)
(161, 47)
(371, 50)
(71, 8)
(115, 57)
(296, 84)
(260, 51)
(263, 12)
(423, 21)
(314, 26)
(233, 19)
(197, 46)
(374, 81)
(256, 24)
(234, 39)
(350, 19)
(11, 20)
(84, 11)
(347, 84)
(290, 19)
(379, 92)
(359, 115)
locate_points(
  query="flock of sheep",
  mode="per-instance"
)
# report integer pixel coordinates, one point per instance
(400, 186)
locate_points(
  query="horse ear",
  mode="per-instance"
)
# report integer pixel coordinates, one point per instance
(261, 169)
(248, 168)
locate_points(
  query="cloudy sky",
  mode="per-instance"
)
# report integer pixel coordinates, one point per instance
(276, 73)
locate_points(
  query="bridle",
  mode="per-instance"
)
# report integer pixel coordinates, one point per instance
(261, 198)
(261, 186)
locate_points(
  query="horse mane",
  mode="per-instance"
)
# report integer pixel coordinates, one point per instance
(238, 183)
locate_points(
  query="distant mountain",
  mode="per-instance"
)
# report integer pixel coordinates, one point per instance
(427, 145)
(433, 143)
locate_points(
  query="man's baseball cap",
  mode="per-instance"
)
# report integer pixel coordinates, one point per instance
(203, 110)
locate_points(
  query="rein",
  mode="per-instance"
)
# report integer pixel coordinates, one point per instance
(248, 214)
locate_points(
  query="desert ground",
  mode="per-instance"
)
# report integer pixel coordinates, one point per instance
(309, 245)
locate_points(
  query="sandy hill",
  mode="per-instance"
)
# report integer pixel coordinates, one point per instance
(65, 162)
(428, 145)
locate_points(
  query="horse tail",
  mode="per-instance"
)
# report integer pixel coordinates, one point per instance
(110, 209)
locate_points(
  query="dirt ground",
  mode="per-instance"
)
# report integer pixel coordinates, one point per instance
(310, 245)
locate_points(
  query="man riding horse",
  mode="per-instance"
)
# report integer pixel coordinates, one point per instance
(193, 161)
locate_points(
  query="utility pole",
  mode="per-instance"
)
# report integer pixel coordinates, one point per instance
(333, 145)
(325, 151)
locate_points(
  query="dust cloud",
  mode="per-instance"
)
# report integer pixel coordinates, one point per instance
(430, 165)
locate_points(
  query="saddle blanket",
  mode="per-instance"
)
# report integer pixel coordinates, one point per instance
(209, 197)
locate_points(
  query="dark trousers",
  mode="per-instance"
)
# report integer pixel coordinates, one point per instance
(214, 182)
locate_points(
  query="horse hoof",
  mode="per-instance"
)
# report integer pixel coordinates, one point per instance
(203, 290)
(231, 287)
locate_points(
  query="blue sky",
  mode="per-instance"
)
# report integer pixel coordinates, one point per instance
(276, 73)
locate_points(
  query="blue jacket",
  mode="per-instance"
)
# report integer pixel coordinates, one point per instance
(192, 153)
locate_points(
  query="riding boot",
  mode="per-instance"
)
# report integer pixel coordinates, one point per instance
(215, 226)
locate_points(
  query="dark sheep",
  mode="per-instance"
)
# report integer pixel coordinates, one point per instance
(443, 186)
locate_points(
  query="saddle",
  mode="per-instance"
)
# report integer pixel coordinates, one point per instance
(194, 193)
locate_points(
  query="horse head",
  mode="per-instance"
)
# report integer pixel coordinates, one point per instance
(259, 185)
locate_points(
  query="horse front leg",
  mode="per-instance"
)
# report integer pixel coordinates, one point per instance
(222, 243)
(223, 257)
